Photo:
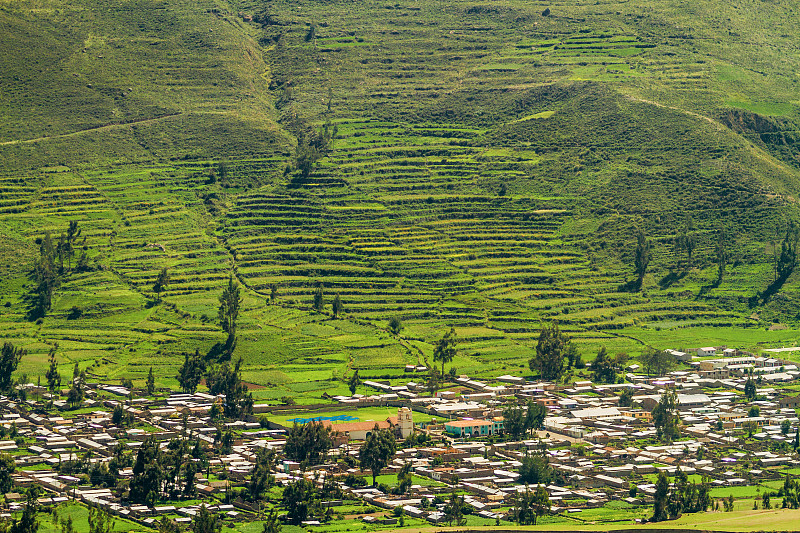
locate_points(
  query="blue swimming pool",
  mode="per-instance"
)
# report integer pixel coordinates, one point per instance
(337, 418)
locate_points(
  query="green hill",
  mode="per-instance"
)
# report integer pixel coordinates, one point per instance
(490, 166)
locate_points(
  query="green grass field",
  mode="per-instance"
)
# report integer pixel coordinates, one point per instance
(364, 414)
(80, 520)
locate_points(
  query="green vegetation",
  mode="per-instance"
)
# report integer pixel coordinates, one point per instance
(551, 351)
(377, 451)
(364, 414)
(80, 520)
(308, 444)
(479, 168)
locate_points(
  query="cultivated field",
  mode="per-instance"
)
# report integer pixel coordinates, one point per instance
(491, 164)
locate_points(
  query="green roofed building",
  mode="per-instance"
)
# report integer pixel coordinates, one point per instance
(474, 428)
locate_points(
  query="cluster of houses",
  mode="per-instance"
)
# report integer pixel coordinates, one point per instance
(598, 450)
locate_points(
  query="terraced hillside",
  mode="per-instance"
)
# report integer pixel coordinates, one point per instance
(490, 167)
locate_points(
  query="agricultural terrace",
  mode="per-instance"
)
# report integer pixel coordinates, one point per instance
(488, 169)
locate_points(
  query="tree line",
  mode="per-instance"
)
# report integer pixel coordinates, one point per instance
(53, 263)
(518, 421)
(671, 501)
(308, 444)
(556, 357)
(224, 379)
(784, 255)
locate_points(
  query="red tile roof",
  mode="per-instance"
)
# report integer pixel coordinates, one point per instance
(347, 427)
(467, 423)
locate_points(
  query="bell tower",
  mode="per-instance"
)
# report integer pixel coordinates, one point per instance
(406, 421)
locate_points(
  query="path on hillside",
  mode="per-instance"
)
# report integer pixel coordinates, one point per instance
(757, 152)
(679, 109)
(98, 128)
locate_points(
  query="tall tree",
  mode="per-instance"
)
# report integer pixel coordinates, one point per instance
(100, 521)
(165, 525)
(7, 468)
(534, 416)
(432, 383)
(174, 464)
(404, 478)
(573, 357)
(516, 422)
(52, 376)
(513, 421)
(261, 479)
(750, 389)
(148, 473)
(787, 261)
(676, 499)
(307, 444)
(550, 351)
(272, 524)
(73, 232)
(206, 522)
(665, 416)
(162, 280)
(395, 325)
(45, 279)
(687, 241)
(229, 303)
(626, 398)
(454, 510)
(273, 293)
(446, 349)
(298, 499)
(540, 504)
(191, 372)
(151, 382)
(661, 497)
(657, 362)
(75, 394)
(82, 264)
(749, 427)
(377, 451)
(227, 380)
(191, 470)
(26, 523)
(521, 507)
(10, 357)
(312, 145)
(535, 469)
(528, 506)
(61, 252)
(354, 382)
(603, 370)
(319, 300)
(119, 416)
(703, 501)
(722, 255)
(642, 256)
(337, 306)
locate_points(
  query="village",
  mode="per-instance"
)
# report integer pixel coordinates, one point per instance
(473, 450)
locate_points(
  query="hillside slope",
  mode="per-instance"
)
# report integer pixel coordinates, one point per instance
(491, 165)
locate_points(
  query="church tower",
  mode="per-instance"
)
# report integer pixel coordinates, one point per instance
(406, 421)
